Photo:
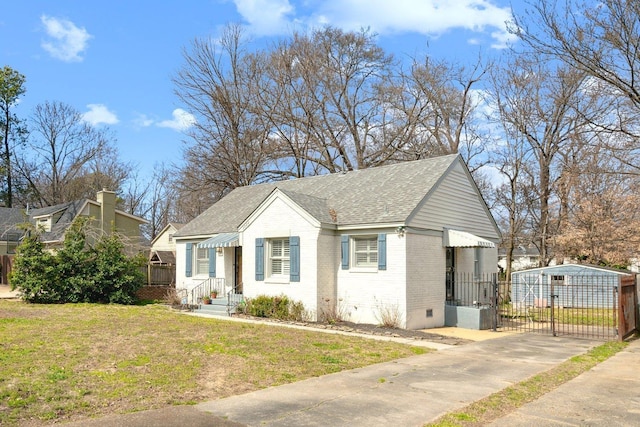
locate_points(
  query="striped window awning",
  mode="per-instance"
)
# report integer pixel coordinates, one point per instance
(222, 240)
(462, 239)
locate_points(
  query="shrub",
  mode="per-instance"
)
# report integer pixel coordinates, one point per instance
(278, 307)
(34, 272)
(77, 272)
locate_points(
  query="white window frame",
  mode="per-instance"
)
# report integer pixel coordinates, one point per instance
(201, 261)
(369, 252)
(477, 262)
(44, 223)
(278, 252)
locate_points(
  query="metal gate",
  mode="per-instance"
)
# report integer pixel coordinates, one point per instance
(590, 306)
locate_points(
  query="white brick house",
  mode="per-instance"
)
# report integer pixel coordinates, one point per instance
(360, 243)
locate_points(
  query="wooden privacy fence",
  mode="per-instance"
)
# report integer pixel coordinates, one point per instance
(159, 275)
(6, 261)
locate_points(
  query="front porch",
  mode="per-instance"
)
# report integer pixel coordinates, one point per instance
(469, 301)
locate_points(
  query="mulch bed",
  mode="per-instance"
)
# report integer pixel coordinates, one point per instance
(369, 329)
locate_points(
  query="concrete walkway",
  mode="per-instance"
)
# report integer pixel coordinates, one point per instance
(607, 395)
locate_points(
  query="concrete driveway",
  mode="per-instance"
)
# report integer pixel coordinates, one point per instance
(406, 392)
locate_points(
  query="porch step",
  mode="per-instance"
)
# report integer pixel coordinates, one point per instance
(218, 307)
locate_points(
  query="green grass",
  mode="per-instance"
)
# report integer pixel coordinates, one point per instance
(65, 362)
(511, 398)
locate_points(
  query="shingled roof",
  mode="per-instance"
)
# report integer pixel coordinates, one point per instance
(384, 194)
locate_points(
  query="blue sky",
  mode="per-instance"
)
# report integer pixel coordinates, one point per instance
(113, 60)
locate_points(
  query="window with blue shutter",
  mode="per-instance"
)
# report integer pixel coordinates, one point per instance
(382, 251)
(344, 245)
(294, 258)
(259, 259)
(212, 262)
(188, 260)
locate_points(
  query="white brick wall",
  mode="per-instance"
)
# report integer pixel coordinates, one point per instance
(279, 220)
(363, 295)
(328, 263)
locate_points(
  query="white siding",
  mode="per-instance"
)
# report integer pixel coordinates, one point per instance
(455, 204)
(279, 220)
(363, 295)
(425, 281)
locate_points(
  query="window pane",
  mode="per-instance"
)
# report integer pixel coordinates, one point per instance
(365, 251)
(276, 248)
(202, 267)
(279, 257)
(276, 266)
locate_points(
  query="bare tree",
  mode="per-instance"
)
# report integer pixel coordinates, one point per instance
(230, 143)
(442, 113)
(602, 40)
(326, 102)
(68, 158)
(538, 105)
(603, 217)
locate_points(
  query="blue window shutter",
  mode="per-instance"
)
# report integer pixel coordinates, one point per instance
(344, 244)
(294, 258)
(212, 262)
(382, 251)
(187, 271)
(259, 259)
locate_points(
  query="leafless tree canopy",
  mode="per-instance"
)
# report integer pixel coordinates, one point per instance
(316, 102)
(66, 158)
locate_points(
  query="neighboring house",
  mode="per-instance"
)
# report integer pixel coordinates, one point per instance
(574, 285)
(163, 246)
(360, 244)
(10, 231)
(523, 257)
(53, 221)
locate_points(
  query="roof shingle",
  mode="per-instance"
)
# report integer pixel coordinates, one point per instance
(383, 194)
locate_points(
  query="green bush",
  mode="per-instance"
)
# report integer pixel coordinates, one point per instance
(278, 307)
(77, 272)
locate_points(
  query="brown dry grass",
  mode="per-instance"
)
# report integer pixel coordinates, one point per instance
(66, 362)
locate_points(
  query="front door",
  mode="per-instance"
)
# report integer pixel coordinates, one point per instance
(238, 270)
(450, 264)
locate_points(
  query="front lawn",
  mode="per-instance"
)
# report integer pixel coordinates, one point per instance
(65, 362)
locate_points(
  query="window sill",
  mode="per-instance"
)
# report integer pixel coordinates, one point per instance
(277, 280)
(363, 270)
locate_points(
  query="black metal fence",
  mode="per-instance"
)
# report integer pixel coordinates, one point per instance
(582, 306)
(470, 290)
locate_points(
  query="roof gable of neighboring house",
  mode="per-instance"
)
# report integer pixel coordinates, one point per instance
(170, 228)
(10, 219)
(61, 216)
(382, 195)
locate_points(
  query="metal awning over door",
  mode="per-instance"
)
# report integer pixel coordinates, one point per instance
(462, 239)
(222, 240)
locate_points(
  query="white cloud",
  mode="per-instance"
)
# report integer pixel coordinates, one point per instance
(266, 17)
(66, 41)
(428, 17)
(99, 114)
(142, 120)
(181, 121)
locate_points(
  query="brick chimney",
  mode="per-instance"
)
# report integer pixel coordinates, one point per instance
(107, 201)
